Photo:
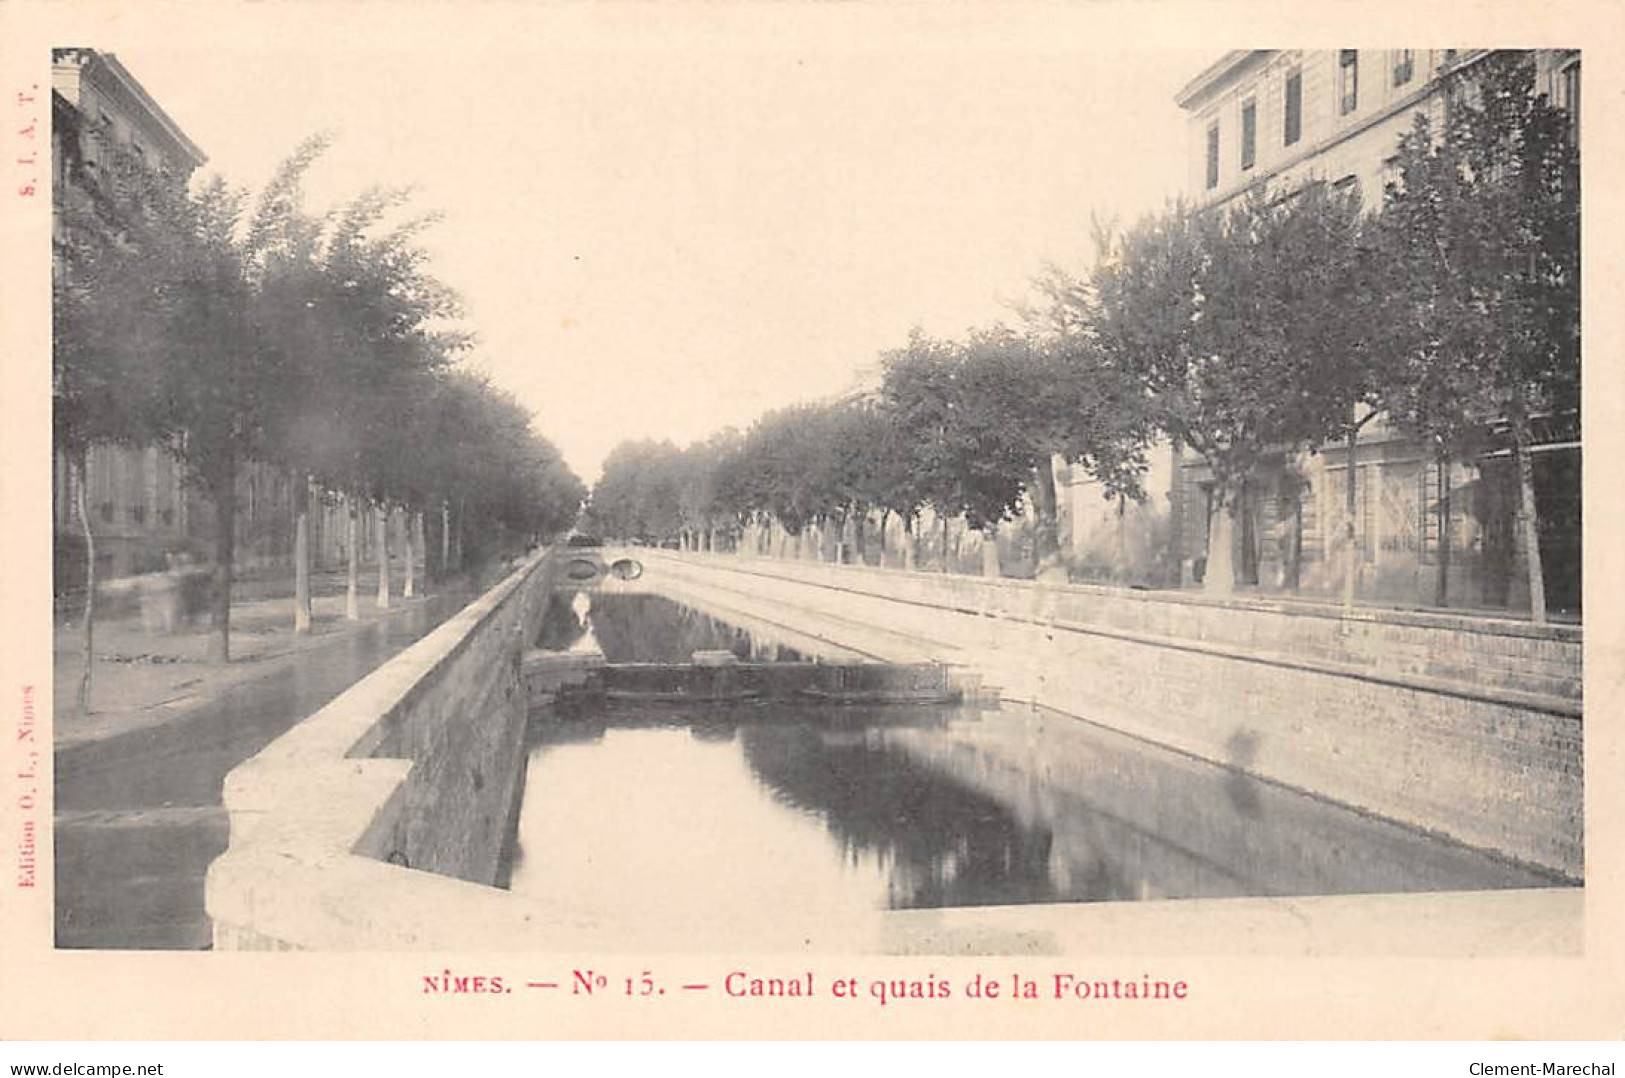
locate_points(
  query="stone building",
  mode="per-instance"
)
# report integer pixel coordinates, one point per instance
(1282, 118)
(142, 512)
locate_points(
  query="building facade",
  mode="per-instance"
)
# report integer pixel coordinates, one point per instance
(1279, 119)
(144, 515)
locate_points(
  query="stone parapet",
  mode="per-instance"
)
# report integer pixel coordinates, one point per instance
(415, 767)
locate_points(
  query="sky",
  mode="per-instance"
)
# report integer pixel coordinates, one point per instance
(665, 221)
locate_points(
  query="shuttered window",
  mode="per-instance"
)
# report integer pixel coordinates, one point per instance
(1249, 134)
(1293, 128)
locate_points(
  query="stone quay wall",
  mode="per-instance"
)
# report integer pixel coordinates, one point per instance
(415, 767)
(1464, 726)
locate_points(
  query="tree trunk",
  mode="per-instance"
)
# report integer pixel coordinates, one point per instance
(1120, 557)
(1047, 532)
(421, 545)
(1441, 588)
(225, 538)
(457, 541)
(301, 557)
(911, 554)
(944, 544)
(990, 551)
(1220, 576)
(409, 587)
(1351, 551)
(79, 473)
(1531, 526)
(860, 540)
(1176, 516)
(880, 537)
(352, 583)
(381, 515)
(445, 536)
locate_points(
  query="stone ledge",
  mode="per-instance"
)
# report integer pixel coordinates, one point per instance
(1550, 703)
(301, 808)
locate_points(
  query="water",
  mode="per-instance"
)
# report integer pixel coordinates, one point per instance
(759, 814)
(634, 627)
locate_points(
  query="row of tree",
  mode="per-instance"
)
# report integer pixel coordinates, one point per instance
(964, 428)
(231, 330)
(1287, 320)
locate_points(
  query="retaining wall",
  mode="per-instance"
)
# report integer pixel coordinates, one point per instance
(415, 766)
(1470, 727)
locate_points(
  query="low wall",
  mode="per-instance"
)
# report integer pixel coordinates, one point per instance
(1464, 726)
(415, 766)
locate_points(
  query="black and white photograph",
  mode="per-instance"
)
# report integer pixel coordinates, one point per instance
(556, 502)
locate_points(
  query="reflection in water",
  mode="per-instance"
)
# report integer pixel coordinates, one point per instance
(945, 843)
(632, 628)
(753, 811)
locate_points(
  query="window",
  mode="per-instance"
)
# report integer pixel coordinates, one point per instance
(1348, 80)
(138, 513)
(1570, 77)
(1293, 128)
(1249, 134)
(1212, 156)
(1404, 66)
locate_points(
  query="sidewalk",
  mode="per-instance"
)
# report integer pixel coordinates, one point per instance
(144, 678)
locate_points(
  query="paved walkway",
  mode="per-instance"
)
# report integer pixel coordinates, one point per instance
(138, 817)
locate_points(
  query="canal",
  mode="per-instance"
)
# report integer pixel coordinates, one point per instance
(783, 812)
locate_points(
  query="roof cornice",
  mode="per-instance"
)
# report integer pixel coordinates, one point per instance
(108, 64)
(1214, 73)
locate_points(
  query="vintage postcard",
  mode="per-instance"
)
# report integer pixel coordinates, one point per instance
(729, 520)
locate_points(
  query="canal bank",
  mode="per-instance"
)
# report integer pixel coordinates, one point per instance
(1470, 728)
(323, 828)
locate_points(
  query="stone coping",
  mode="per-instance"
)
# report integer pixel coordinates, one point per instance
(1532, 701)
(1487, 624)
(303, 803)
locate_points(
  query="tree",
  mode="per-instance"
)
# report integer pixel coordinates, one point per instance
(510, 483)
(288, 299)
(216, 379)
(1234, 323)
(963, 408)
(102, 355)
(638, 497)
(890, 485)
(1481, 227)
(1091, 411)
